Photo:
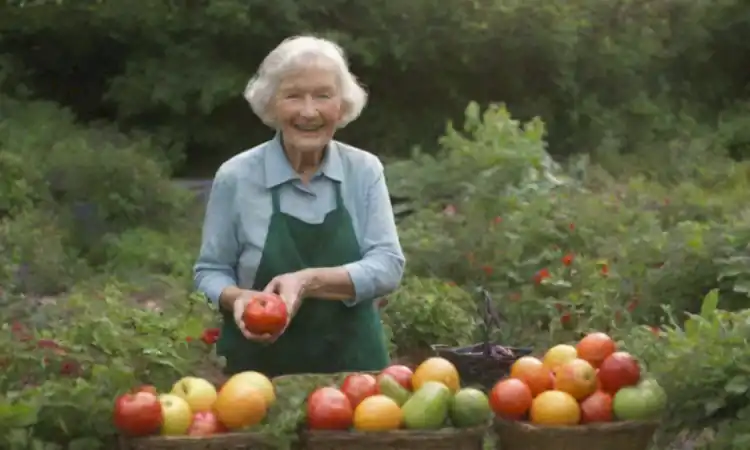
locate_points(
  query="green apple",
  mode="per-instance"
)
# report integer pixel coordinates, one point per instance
(177, 415)
(200, 394)
(645, 401)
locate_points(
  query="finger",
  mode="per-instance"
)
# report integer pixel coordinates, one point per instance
(272, 287)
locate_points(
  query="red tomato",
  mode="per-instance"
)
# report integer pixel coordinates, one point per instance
(359, 386)
(138, 414)
(400, 373)
(618, 370)
(510, 399)
(265, 314)
(329, 409)
(597, 408)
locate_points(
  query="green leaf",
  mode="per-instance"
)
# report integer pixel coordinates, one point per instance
(738, 385)
(710, 303)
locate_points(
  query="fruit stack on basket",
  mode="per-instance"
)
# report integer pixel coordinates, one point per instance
(587, 396)
(194, 415)
(484, 363)
(396, 409)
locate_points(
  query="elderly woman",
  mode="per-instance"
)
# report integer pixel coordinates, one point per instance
(306, 217)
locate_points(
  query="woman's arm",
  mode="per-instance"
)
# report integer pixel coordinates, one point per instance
(214, 272)
(380, 270)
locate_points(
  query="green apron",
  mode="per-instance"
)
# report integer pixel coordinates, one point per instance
(324, 336)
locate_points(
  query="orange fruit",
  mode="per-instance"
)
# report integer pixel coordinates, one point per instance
(436, 369)
(555, 408)
(240, 404)
(559, 354)
(577, 378)
(532, 371)
(511, 398)
(595, 348)
(378, 413)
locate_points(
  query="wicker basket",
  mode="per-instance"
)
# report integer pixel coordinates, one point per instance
(604, 436)
(225, 441)
(445, 439)
(475, 364)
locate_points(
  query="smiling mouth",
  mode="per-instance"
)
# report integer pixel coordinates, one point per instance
(308, 128)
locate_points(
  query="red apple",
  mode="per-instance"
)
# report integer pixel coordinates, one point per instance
(205, 424)
(138, 414)
(358, 387)
(400, 373)
(265, 314)
(617, 371)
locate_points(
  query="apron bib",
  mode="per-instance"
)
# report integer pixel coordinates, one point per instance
(324, 336)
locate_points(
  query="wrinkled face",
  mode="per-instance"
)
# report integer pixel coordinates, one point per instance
(307, 107)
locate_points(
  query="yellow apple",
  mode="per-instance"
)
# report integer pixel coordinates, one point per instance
(177, 415)
(559, 355)
(197, 392)
(257, 380)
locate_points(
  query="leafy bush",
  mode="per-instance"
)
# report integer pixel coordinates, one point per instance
(429, 311)
(65, 360)
(35, 255)
(703, 367)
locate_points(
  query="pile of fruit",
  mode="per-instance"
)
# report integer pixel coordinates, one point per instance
(571, 385)
(194, 407)
(428, 398)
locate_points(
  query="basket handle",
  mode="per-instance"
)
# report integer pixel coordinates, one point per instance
(491, 318)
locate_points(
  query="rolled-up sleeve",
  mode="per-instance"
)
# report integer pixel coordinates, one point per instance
(215, 269)
(381, 268)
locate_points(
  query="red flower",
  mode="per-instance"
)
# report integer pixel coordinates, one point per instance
(655, 330)
(572, 226)
(189, 339)
(632, 305)
(487, 270)
(565, 318)
(69, 368)
(568, 259)
(210, 335)
(497, 220)
(541, 275)
(605, 269)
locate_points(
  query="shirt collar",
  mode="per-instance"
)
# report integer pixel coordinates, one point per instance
(279, 171)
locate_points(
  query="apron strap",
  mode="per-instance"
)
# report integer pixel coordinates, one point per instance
(275, 199)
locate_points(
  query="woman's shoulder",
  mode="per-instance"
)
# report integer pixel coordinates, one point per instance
(359, 163)
(242, 165)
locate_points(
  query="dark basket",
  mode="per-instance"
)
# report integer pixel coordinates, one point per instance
(475, 363)
(476, 366)
(600, 436)
(445, 439)
(225, 441)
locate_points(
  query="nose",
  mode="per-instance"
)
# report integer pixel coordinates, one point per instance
(308, 108)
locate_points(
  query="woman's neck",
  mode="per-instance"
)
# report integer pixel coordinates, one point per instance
(304, 163)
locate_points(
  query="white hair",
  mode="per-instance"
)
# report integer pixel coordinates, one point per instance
(294, 53)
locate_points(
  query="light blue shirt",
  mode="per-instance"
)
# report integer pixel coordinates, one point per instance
(239, 211)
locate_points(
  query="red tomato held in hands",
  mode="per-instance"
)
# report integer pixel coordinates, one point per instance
(618, 370)
(400, 373)
(138, 414)
(597, 408)
(329, 409)
(265, 314)
(359, 386)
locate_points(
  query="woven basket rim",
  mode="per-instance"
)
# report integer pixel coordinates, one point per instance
(601, 427)
(374, 436)
(231, 436)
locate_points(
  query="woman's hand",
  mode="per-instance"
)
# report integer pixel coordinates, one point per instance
(239, 309)
(291, 288)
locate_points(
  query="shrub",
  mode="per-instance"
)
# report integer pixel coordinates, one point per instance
(64, 362)
(35, 255)
(703, 367)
